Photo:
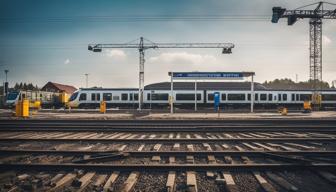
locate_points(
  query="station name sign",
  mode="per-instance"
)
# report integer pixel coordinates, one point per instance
(208, 75)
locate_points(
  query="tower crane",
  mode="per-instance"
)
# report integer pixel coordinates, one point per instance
(316, 16)
(145, 44)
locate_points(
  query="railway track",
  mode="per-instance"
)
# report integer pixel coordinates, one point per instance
(167, 156)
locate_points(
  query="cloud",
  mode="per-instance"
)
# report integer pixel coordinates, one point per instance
(116, 54)
(67, 61)
(326, 40)
(183, 57)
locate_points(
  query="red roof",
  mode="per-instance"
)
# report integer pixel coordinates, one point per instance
(60, 87)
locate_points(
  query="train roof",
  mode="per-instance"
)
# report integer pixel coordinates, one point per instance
(205, 86)
(220, 86)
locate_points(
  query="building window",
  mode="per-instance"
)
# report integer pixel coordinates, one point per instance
(270, 97)
(107, 96)
(236, 97)
(263, 97)
(124, 96)
(82, 97)
(187, 97)
(224, 97)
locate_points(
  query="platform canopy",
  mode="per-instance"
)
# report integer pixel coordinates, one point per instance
(210, 75)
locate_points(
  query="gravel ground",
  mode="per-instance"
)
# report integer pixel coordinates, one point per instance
(246, 182)
(181, 182)
(120, 181)
(205, 184)
(307, 181)
(153, 182)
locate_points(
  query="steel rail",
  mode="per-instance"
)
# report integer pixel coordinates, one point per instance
(163, 153)
(164, 167)
(89, 128)
(181, 140)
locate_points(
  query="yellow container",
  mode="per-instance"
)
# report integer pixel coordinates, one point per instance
(25, 108)
(18, 112)
(64, 98)
(284, 111)
(36, 105)
(103, 107)
(307, 105)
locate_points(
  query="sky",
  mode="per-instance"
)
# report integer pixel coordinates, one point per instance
(43, 41)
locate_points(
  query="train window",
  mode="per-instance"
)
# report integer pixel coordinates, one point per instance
(160, 96)
(131, 96)
(210, 97)
(93, 96)
(187, 97)
(148, 96)
(72, 97)
(249, 97)
(136, 96)
(256, 98)
(116, 98)
(107, 96)
(124, 96)
(82, 97)
(279, 97)
(293, 97)
(284, 97)
(236, 97)
(305, 97)
(270, 97)
(297, 97)
(98, 96)
(329, 97)
(223, 97)
(263, 97)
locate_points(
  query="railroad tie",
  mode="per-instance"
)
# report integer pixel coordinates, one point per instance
(143, 136)
(191, 181)
(66, 180)
(85, 181)
(130, 182)
(300, 146)
(263, 182)
(171, 135)
(178, 136)
(176, 147)
(225, 146)
(110, 181)
(252, 147)
(331, 178)
(265, 146)
(190, 158)
(170, 185)
(228, 135)
(282, 147)
(281, 181)
(100, 180)
(188, 136)
(229, 182)
(141, 147)
(239, 148)
(207, 146)
(156, 158)
(121, 148)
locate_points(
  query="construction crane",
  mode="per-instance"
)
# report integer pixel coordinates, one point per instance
(145, 44)
(315, 15)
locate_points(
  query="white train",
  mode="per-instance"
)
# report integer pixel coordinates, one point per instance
(233, 94)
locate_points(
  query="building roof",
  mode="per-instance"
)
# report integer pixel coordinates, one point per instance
(60, 87)
(205, 86)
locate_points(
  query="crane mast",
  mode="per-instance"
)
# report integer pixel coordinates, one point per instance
(315, 35)
(146, 44)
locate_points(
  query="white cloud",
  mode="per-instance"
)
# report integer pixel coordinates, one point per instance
(116, 54)
(67, 61)
(183, 57)
(326, 40)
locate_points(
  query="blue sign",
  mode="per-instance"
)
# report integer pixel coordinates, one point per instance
(208, 75)
(216, 100)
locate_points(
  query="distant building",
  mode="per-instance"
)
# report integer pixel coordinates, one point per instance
(56, 87)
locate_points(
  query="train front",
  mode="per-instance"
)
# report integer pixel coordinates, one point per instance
(73, 100)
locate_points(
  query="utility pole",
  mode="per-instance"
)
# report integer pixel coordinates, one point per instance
(86, 80)
(146, 44)
(296, 78)
(315, 16)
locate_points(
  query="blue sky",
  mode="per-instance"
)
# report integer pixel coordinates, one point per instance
(44, 41)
